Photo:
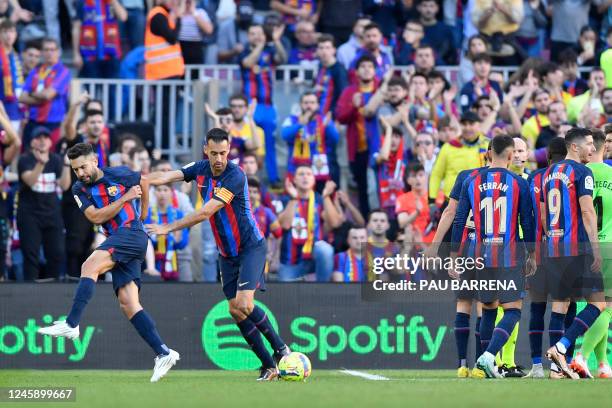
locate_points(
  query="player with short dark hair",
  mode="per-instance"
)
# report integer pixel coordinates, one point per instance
(497, 198)
(117, 199)
(224, 189)
(572, 247)
(596, 338)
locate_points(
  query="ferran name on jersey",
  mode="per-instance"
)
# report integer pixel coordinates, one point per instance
(492, 185)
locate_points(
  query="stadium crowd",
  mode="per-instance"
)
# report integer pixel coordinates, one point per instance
(407, 133)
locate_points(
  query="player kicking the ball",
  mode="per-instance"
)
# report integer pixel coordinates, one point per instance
(224, 189)
(110, 198)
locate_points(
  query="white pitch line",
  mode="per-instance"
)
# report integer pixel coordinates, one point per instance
(371, 377)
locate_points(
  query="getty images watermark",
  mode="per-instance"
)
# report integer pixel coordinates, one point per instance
(386, 268)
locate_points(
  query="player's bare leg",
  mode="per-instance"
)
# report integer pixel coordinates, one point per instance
(96, 264)
(242, 308)
(129, 303)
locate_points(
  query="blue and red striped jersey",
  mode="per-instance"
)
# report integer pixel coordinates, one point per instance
(115, 182)
(468, 237)
(562, 186)
(329, 84)
(257, 81)
(45, 77)
(498, 199)
(233, 226)
(267, 222)
(535, 187)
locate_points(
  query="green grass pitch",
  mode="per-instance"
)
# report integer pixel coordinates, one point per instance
(326, 388)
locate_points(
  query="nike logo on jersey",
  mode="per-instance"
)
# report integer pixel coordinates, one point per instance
(242, 284)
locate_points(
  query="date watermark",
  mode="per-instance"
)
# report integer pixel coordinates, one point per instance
(38, 394)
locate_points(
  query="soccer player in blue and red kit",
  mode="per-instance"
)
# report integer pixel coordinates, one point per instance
(257, 64)
(497, 198)
(224, 189)
(537, 283)
(572, 255)
(115, 198)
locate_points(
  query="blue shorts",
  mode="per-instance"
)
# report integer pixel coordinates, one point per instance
(128, 248)
(506, 293)
(245, 271)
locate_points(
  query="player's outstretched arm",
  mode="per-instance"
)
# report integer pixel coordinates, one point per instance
(207, 211)
(144, 199)
(101, 215)
(164, 177)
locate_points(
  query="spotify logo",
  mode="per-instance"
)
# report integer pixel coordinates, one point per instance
(223, 343)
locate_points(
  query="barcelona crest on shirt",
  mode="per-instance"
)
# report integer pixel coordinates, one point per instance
(112, 191)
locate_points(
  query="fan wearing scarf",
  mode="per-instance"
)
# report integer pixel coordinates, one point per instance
(305, 216)
(311, 139)
(349, 265)
(388, 164)
(12, 73)
(165, 246)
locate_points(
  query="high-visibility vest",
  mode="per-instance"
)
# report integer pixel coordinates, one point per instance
(99, 32)
(162, 59)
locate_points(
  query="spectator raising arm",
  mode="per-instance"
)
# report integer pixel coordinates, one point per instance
(161, 27)
(251, 60)
(285, 218)
(280, 54)
(355, 213)
(331, 217)
(70, 121)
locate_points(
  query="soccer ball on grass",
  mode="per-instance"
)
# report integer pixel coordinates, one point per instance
(294, 367)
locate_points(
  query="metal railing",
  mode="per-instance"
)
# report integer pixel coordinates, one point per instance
(177, 106)
(172, 106)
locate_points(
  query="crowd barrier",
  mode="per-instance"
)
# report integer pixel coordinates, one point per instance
(331, 323)
(178, 105)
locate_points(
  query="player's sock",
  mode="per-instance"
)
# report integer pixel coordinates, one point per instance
(536, 330)
(83, 295)
(582, 322)
(555, 327)
(477, 346)
(487, 324)
(569, 319)
(145, 326)
(504, 328)
(601, 349)
(500, 315)
(462, 335)
(596, 333)
(509, 348)
(253, 338)
(261, 321)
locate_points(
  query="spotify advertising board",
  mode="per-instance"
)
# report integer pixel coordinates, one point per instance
(328, 322)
